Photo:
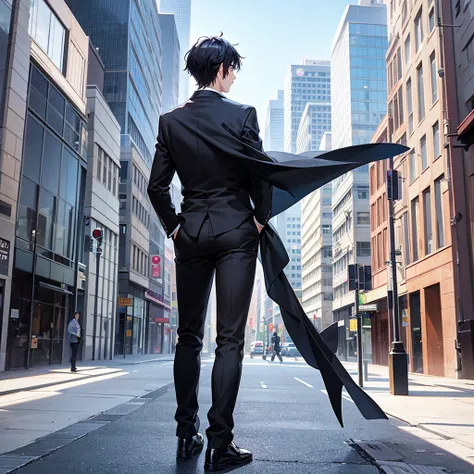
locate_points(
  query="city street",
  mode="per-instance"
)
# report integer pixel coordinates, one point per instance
(123, 422)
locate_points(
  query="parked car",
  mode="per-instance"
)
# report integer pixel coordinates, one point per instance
(284, 349)
(292, 351)
(256, 348)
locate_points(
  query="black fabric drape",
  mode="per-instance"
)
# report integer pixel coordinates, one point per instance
(293, 177)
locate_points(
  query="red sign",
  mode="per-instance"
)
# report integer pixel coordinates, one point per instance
(251, 322)
(162, 320)
(155, 266)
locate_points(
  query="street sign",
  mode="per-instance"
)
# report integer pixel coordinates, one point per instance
(124, 301)
(353, 324)
(368, 307)
(4, 256)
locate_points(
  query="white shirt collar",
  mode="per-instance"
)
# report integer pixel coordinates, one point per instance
(213, 90)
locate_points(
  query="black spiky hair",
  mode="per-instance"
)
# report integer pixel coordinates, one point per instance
(204, 59)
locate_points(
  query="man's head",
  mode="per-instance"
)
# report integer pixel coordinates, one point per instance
(213, 62)
(275, 333)
(77, 315)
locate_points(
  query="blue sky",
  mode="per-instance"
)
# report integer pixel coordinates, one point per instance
(272, 34)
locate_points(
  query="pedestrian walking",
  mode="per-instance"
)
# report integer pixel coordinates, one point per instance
(74, 334)
(276, 347)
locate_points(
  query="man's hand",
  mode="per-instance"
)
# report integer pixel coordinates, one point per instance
(259, 227)
(175, 234)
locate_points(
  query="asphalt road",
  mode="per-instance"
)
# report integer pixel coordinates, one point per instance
(283, 416)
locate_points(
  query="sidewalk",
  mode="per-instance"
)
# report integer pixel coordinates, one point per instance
(438, 405)
(40, 401)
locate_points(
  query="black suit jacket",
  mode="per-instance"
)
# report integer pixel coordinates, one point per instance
(197, 140)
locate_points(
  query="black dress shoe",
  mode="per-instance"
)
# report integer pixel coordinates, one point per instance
(187, 448)
(219, 459)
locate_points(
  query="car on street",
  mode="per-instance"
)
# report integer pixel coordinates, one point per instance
(292, 351)
(256, 348)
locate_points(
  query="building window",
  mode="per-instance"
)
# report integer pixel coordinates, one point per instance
(424, 154)
(408, 51)
(434, 79)
(406, 239)
(457, 8)
(413, 167)
(439, 213)
(431, 20)
(109, 180)
(415, 219)
(363, 218)
(363, 192)
(419, 30)
(48, 32)
(99, 162)
(436, 150)
(427, 221)
(409, 107)
(363, 249)
(104, 170)
(421, 93)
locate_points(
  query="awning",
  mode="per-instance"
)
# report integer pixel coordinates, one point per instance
(466, 130)
(54, 288)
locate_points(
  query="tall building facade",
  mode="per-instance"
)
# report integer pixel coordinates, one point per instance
(306, 82)
(462, 121)
(273, 138)
(171, 61)
(314, 123)
(358, 104)
(181, 10)
(316, 247)
(131, 49)
(44, 168)
(417, 99)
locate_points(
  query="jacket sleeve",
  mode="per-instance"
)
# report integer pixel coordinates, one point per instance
(162, 172)
(261, 191)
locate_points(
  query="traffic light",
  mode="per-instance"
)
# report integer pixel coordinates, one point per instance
(392, 185)
(352, 276)
(88, 244)
(98, 235)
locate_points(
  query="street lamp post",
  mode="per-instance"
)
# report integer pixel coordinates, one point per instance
(98, 235)
(397, 358)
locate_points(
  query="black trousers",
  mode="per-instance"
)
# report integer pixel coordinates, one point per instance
(232, 258)
(276, 353)
(74, 349)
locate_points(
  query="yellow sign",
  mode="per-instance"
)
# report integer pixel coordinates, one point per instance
(125, 301)
(353, 324)
(129, 333)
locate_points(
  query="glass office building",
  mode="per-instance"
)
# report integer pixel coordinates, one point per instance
(358, 104)
(127, 33)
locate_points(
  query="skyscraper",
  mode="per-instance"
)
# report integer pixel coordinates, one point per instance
(316, 247)
(182, 13)
(273, 139)
(306, 82)
(358, 103)
(315, 121)
(170, 63)
(128, 35)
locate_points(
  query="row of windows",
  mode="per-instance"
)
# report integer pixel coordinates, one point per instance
(140, 181)
(419, 161)
(396, 107)
(347, 197)
(341, 265)
(343, 229)
(140, 212)
(107, 172)
(341, 290)
(318, 298)
(139, 261)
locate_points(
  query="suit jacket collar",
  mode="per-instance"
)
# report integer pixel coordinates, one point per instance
(206, 93)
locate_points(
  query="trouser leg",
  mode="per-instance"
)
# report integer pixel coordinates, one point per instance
(193, 283)
(74, 349)
(235, 272)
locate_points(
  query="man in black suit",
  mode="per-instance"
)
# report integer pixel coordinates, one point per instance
(224, 209)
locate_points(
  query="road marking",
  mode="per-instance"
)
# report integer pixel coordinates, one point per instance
(344, 395)
(303, 382)
(263, 385)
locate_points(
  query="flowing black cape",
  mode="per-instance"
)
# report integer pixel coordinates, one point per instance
(292, 178)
